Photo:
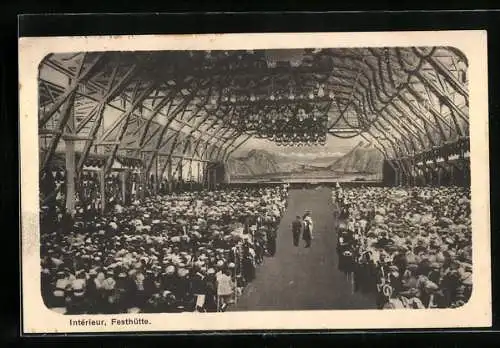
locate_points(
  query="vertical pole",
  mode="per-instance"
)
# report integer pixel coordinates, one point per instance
(415, 173)
(215, 177)
(137, 178)
(70, 175)
(142, 183)
(218, 299)
(205, 175)
(210, 177)
(198, 179)
(169, 175)
(69, 145)
(124, 187)
(157, 184)
(235, 283)
(207, 171)
(191, 175)
(452, 175)
(467, 168)
(227, 175)
(181, 176)
(103, 191)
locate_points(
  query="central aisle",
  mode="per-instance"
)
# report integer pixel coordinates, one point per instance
(300, 278)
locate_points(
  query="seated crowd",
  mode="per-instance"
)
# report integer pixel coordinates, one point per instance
(410, 247)
(192, 251)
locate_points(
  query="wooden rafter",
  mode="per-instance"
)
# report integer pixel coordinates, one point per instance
(126, 116)
(113, 89)
(80, 76)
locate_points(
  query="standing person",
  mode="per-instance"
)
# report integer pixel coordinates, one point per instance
(199, 288)
(211, 291)
(224, 289)
(308, 229)
(297, 227)
(271, 240)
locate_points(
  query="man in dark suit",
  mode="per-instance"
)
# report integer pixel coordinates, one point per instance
(307, 229)
(297, 230)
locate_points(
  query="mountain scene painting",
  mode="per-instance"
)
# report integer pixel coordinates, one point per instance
(362, 162)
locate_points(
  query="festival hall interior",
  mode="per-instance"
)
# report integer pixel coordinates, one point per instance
(254, 180)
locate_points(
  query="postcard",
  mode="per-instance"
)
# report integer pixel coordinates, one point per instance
(306, 181)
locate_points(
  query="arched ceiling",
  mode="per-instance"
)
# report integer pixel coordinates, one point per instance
(203, 105)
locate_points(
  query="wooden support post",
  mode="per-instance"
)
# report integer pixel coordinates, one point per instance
(156, 183)
(212, 178)
(180, 167)
(198, 178)
(70, 175)
(414, 174)
(209, 177)
(396, 176)
(102, 177)
(191, 175)
(227, 175)
(215, 178)
(169, 175)
(124, 187)
(452, 175)
(207, 171)
(142, 184)
(69, 145)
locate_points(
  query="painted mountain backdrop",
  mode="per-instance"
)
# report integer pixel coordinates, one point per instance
(362, 158)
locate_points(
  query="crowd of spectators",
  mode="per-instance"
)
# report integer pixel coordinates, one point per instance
(192, 251)
(410, 247)
(88, 190)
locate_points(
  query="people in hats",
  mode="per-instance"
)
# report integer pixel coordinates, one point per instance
(417, 238)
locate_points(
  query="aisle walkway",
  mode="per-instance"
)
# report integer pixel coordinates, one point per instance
(300, 278)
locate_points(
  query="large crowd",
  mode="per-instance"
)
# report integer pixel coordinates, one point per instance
(409, 247)
(196, 251)
(192, 251)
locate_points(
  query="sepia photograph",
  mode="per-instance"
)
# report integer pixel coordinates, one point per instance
(247, 181)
